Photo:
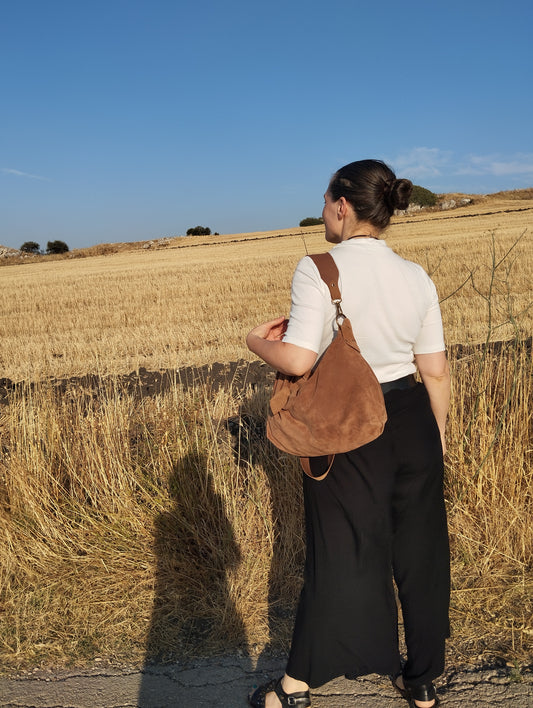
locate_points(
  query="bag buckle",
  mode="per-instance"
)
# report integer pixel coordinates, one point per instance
(338, 311)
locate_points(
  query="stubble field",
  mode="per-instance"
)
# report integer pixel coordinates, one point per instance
(151, 521)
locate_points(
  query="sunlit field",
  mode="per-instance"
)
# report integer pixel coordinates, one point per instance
(192, 305)
(157, 526)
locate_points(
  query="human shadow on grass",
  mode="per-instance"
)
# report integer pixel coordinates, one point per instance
(252, 450)
(193, 612)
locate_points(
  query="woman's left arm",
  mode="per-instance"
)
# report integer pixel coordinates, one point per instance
(435, 374)
(265, 340)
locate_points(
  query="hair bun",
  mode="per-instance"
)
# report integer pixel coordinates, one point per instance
(398, 193)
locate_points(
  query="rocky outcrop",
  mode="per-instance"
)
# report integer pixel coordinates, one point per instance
(452, 203)
(443, 206)
(6, 252)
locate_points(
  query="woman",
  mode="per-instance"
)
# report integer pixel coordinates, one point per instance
(379, 514)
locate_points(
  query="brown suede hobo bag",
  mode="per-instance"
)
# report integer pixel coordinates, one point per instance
(337, 405)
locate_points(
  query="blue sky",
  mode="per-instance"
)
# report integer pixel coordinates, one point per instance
(125, 120)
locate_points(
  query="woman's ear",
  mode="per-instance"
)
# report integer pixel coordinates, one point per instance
(342, 207)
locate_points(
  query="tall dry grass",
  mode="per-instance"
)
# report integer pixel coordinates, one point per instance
(489, 489)
(133, 525)
(136, 526)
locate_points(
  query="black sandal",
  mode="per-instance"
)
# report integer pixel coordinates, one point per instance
(258, 697)
(424, 692)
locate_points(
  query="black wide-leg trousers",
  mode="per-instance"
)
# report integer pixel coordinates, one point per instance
(379, 515)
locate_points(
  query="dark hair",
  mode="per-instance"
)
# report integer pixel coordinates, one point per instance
(372, 189)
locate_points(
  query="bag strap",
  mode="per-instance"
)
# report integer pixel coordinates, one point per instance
(330, 275)
(305, 462)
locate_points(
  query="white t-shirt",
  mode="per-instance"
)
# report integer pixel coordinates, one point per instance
(392, 304)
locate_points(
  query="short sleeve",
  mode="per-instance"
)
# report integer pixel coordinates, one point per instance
(308, 307)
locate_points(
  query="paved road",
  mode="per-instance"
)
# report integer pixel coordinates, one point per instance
(225, 681)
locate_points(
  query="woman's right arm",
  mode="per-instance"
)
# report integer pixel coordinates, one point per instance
(265, 340)
(435, 374)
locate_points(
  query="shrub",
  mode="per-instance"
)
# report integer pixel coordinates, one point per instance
(56, 247)
(199, 231)
(311, 221)
(30, 247)
(423, 197)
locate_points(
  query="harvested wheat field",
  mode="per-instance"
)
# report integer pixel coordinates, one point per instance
(143, 515)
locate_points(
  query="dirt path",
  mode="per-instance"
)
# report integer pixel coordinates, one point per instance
(225, 681)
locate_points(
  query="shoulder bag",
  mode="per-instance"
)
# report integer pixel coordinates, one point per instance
(336, 406)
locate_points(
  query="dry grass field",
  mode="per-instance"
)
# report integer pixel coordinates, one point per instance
(140, 526)
(192, 301)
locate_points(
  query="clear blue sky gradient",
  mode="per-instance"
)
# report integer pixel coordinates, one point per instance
(125, 120)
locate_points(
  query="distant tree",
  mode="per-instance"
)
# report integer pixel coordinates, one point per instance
(311, 221)
(199, 231)
(423, 197)
(56, 247)
(30, 247)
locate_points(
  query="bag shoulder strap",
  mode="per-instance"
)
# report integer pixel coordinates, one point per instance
(329, 273)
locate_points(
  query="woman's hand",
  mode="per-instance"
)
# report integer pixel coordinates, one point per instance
(272, 331)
